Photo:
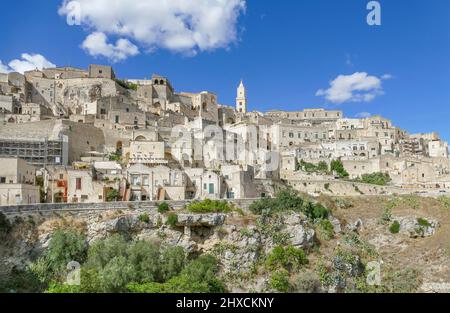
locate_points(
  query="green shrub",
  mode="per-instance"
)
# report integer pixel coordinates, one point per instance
(112, 195)
(316, 211)
(386, 217)
(395, 227)
(423, 222)
(163, 207)
(209, 206)
(343, 203)
(64, 247)
(321, 167)
(118, 265)
(144, 218)
(199, 276)
(289, 200)
(380, 179)
(289, 258)
(406, 280)
(326, 229)
(21, 281)
(338, 167)
(279, 281)
(63, 288)
(172, 219)
(308, 282)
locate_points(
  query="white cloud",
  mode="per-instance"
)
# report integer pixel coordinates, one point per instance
(96, 45)
(387, 76)
(363, 115)
(177, 25)
(27, 62)
(358, 87)
(3, 68)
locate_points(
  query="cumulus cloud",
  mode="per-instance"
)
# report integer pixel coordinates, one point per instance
(358, 87)
(96, 45)
(177, 25)
(27, 62)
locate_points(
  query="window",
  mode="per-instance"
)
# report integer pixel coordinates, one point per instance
(117, 119)
(211, 189)
(61, 176)
(2, 180)
(205, 186)
(78, 183)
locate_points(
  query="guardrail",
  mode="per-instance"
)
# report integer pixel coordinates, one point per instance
(105, 206)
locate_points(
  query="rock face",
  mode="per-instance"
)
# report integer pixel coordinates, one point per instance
(417, 227)
(355, 226)
(300, 234)
(203, 220)
(125, 225)
(336, 224)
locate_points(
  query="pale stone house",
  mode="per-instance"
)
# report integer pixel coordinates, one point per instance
(17, 182)
(155, 183)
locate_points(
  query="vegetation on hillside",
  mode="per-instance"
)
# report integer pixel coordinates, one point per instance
(118, 265)
(209, 206)
(380, 179)
(126, 84)
(337, 167)
(289, 200)
(321, 167)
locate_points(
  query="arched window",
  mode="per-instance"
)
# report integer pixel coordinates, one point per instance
(161, 82)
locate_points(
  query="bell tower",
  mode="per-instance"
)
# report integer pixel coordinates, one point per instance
(241, 100)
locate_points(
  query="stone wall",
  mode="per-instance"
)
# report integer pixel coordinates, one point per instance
(86, 207)
(345, 188)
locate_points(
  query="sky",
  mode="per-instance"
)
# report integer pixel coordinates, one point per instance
(291, 54)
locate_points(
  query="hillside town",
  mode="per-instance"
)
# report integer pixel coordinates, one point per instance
(71, 135)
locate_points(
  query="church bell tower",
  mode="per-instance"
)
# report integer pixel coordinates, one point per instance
(241, 100)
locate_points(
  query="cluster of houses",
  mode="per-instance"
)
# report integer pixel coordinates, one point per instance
(73, 135)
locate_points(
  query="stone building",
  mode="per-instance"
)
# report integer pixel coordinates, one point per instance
(17, 182)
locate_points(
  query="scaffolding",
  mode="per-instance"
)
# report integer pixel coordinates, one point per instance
(38, 153)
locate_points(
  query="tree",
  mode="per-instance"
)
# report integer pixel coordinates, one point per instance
(381, 179)
(112, 195)
(64, 247)
(163, 207)
(338, 167)
(289, 258)
(322, 167)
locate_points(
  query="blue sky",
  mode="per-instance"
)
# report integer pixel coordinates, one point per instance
(284, 50)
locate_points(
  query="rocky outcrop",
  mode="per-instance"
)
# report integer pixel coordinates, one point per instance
(201, 220)
(417, 227)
